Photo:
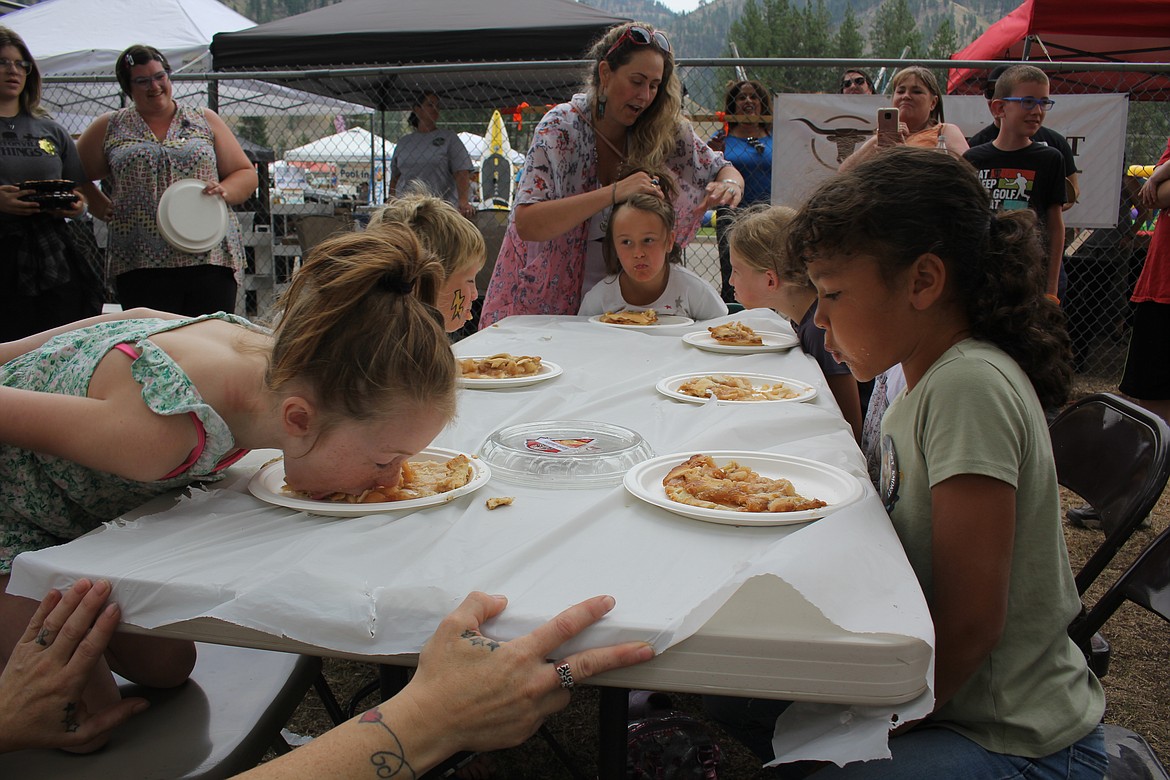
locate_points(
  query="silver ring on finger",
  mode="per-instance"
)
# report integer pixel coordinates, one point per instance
(566, 675)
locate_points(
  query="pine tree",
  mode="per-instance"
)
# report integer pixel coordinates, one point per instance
(773, 28)
(945, 41)
(895, 29)
(942, 46)
(848, 41)
(814, 37)
(750, 32)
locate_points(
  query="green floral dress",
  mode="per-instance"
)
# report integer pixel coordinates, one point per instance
(45, 500)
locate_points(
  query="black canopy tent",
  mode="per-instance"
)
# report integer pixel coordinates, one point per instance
(375, 34)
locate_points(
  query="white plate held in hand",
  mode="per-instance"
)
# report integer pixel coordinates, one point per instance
(189, 220)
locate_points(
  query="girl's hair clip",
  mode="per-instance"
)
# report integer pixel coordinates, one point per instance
(129, 60)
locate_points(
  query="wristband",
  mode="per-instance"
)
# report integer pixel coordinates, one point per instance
(1052, 298)
(732, 182)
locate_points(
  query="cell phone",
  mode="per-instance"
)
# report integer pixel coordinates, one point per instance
(887, 126)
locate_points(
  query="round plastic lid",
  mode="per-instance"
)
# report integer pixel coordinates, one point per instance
(564, 453)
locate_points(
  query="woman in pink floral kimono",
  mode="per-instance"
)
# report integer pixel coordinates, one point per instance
(630, 115)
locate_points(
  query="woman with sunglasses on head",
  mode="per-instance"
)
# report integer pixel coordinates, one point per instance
(140, 151)
(44, 281)
(920, 119)
(746, 144)
(629, 116)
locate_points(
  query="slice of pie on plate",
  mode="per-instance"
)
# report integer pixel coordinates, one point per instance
(502, 365)
(644, 317)
(736, 334)
(735, 388)
(420, 478)
(700, 482)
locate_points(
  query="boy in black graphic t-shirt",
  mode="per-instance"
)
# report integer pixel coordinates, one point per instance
(1017, 172)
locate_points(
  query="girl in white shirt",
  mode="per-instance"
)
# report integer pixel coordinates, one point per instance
(642, 263)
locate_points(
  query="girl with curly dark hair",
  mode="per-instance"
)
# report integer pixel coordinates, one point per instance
(911, 267)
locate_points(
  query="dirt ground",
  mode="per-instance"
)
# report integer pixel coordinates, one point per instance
(1136, 685)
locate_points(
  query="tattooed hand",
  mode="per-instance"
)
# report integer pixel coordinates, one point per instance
(470, 693)
(40, 688)
(496, 694)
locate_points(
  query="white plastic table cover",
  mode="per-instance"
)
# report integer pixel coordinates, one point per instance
(378, 584)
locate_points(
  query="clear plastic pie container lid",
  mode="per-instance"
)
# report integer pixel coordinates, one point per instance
(564, 453)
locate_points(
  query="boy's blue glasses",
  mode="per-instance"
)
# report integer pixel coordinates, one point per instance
(1028, 103)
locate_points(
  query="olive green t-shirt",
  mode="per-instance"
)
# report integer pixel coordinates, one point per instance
(975, 412)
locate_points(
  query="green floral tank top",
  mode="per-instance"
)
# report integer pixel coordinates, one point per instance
(45, 500)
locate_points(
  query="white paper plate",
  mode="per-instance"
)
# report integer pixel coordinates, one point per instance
(548, 370)
(664, 320)
(189, 220)
(773, 342)
(266, 485)
(669, 387)
(810, 478)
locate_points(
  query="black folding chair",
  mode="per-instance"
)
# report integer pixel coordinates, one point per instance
(1116, 456)
(1147, 584)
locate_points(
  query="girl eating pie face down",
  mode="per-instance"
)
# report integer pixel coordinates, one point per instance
(356, 377)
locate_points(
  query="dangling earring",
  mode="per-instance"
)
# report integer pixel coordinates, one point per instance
(601, 105)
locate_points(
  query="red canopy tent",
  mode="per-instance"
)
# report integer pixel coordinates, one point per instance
(1060, 31)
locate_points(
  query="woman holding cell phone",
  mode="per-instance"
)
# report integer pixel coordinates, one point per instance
(916, 119)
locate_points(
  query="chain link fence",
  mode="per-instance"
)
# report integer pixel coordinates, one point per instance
(323, 142)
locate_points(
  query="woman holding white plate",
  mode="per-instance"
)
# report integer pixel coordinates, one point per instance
(188, 256)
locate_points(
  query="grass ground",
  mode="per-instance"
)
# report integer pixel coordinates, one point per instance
(1136, 686)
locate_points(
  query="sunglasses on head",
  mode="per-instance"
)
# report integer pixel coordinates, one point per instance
(640, 36)
(856, 81)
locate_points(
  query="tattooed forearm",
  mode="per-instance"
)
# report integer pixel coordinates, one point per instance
(70, 719)
(389, 763)
(479, 639)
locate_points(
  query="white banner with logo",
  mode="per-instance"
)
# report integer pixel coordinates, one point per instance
(813, 133)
